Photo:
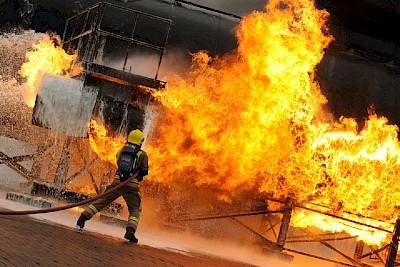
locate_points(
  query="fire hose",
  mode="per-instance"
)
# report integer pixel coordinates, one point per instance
(83, 202)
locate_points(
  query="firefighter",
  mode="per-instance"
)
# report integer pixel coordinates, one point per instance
(130, 156)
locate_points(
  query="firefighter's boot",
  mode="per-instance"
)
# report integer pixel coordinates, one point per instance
(130, 235)
(81, 222)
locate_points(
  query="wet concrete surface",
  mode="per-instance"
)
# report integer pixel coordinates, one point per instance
(26, 241)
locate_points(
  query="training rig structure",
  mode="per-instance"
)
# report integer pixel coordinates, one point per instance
(94, 35)
(278, 227)
(121, 98)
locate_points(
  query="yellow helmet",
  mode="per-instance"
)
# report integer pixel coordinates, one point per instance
(136, 137)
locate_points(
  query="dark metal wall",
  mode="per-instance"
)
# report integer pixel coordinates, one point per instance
(367, 30)
(193, 29)
(352, 83)
(376, 18)
(363, 24)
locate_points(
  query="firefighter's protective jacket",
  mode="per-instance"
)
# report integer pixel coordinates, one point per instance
(140, 163)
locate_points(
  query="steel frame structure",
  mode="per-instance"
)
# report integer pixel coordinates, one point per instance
(14, 162)
(277, 247)
(42, 171)
(386, 255)
(87, 51)
(82, 36)
(86, 55)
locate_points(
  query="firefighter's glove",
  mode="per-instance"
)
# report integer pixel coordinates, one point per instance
(141, 175)
(122, 178)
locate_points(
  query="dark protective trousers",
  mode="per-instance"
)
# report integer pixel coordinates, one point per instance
(132, 197)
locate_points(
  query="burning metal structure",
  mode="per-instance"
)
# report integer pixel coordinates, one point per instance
(93, 36)
(76, 95)
(247, 127)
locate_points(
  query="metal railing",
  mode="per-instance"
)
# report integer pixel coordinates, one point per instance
(281, 238)
(89, 23)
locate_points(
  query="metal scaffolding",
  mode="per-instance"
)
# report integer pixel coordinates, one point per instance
(282, 238)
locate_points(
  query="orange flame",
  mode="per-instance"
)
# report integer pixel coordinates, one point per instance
(248, 121)
(77, 209)
(233, 117)
(46, 58)
(104, 146)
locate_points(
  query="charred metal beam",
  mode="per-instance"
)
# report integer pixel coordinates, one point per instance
(272, 226)
(131, 36)
(357, 228)
(345, 219)
(121, 76)
(25, 199)
(317, 257)
(394, 245)
(377, 250)
(302, 236)
(162, 51)
(356, 262)
(351, 213)
(325, 239)
(232, 215)
(287, 214)
(63, 164)
(139, 12)
(47, 190)
(88, 169)
(18, 158)
(4, 159)
(294, 205)
(78, 36)
(81, 170)
(268, 242)
(359, 250)
(109, 78)
(39, 156)
(130, 40)
(376, 254)
(84, 11)
(330, 214)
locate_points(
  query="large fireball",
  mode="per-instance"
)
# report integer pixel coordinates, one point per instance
(251, 120)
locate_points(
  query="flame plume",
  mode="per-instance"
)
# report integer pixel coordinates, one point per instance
(234, 118)
(251, 120)
(104, 146)
(45, 58)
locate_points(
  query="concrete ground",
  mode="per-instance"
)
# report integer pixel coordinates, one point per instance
(26, 241)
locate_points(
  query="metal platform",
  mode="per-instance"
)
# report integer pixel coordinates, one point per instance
(28, 200)
(105, 85)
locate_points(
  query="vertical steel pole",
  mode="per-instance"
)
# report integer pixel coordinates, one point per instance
(283, 231)
(63, 164)
(65, 31)
(394, 245)
(163, 49)
(131, 43)
(359, 250)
